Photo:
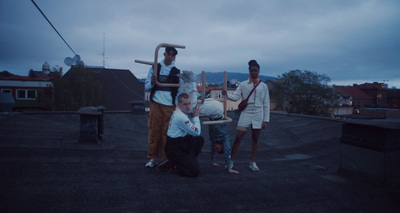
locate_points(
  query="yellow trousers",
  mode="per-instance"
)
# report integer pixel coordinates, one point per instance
(158, 122)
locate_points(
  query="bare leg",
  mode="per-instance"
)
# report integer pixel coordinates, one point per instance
(255, 135)
(239, 136)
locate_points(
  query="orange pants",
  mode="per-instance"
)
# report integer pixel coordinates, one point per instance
(158, 122)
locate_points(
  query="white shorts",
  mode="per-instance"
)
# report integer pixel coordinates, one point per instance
(251, 117)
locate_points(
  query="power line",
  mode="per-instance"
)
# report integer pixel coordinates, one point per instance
(53, 26)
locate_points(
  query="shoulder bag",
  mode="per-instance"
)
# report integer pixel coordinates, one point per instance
(243, 103)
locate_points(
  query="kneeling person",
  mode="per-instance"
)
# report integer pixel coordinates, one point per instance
(184, 142)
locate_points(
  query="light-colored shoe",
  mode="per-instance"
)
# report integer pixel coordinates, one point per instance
(253, 166)
(151, 163)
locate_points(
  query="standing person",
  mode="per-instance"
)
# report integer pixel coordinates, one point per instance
(162, 104)
(183, 139)
(255, 115)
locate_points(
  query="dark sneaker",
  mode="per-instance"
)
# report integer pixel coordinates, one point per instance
(165, 165)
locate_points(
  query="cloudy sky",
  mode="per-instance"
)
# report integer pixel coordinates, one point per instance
(351, 41)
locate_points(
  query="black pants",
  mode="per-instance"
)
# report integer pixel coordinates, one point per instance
(183, 152)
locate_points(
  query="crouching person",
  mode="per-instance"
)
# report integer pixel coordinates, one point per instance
(184, 142)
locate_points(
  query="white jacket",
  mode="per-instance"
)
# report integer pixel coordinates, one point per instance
(259, 97)
(180, 125)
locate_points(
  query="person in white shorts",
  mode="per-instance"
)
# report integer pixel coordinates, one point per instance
(255, 115)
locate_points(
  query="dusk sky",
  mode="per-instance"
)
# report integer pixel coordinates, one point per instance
(351, 41)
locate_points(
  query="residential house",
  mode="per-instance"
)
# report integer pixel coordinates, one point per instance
(342, 97)
(342, 102)
(377, 91)
(26, 91)
(393, 98)
(119, 87)
(370, 100)
(359, 97)
(30, 93)
(216, 92)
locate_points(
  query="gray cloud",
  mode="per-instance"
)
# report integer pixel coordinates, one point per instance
(350, 41)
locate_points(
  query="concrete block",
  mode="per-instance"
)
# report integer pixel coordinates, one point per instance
(371, 148)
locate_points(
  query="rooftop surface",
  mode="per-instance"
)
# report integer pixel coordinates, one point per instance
(43, 168)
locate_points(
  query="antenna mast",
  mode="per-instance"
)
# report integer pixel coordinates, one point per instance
(104, 50)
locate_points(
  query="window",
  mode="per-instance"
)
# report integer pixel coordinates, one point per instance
(218, 95)
(31, 94)
(20, 94)
(340, 101)
(26, 94)
(6, 90)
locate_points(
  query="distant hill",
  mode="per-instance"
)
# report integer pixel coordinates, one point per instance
(218, 77)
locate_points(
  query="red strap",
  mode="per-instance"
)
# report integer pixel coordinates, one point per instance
(253, 89)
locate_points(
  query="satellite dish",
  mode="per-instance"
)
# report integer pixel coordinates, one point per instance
(76, 60)
(68, 61)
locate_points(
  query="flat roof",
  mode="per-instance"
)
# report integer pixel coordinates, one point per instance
(44, 168)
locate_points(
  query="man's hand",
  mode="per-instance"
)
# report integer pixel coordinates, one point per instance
(196, 111)
(215, 164)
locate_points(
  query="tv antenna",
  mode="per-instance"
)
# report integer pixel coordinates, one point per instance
(104, 49)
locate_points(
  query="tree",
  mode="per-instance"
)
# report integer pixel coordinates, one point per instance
(80, 91)
(63, 97)
(213, 85)
(302, 92)
(228, 84)
(87, 91)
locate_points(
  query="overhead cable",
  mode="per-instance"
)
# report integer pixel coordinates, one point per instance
(53, 26)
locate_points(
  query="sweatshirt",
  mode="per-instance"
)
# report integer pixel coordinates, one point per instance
(180, 125)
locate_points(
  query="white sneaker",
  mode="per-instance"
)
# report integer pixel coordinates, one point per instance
(151, 163)
(253, 166)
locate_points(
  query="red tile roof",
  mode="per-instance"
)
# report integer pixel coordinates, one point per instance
(25, 78)
(356, 93)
